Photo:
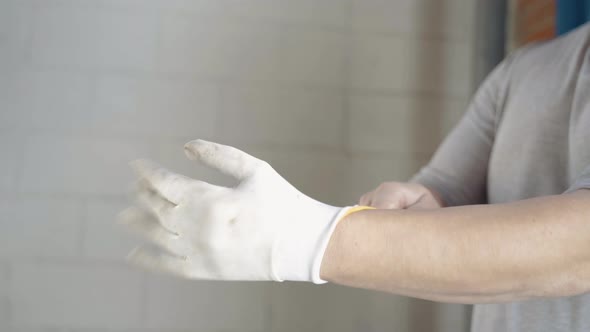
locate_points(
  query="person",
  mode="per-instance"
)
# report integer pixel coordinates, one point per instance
(499, 218)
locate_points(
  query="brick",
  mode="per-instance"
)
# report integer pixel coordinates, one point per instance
(306, 307)
(50, 329)
(4, 314)
(93, 38)
(72, 164)
(314, 56)
(452, 317)
(401, 125)
(219, 48)
(334, 13)
(409, 66)
(205, 7)
(104, 238)
(14, 89)
(274, 116)
(162, 107)
(39, 227)
(15, 32)
(260, 9)
(77, 296)
(449, 19)
(4, 279)
(387, 310)
(308, 12)
(205, 305)
(4, 294)
(57, 100)
(321, 175)
(10, 146)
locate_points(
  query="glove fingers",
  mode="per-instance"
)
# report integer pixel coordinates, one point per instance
(146, 226)
(170, 185)
(159, 261)
(149, 199)
(159, 207)
(223, 158)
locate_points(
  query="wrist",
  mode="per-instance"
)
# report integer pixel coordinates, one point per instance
(330, 256)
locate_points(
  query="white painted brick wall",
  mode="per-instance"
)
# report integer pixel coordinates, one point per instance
(39, 227)
(396, 124)
(446, 19)
(265, 115)
(81, 295)
(318, 13)
(207, 305)
(102, 238)
(14, 31)
(69, 36)
(77, 165)
(4, 296)
(322, 12)
(397, 64)
(56, 99)
(133, 105)
(314, 56)
(11, 160)
(205, 46)
(14, 112)
(386, 311)
(298, 307)
(338, 95)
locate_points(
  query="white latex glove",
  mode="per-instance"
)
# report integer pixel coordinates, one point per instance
(262, 229)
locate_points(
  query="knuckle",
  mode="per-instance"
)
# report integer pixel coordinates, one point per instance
(261, 165)
(385, 186)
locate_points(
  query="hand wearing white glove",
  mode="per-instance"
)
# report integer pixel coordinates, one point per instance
(262, 229)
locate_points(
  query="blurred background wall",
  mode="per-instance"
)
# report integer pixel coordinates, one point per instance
(338, 95)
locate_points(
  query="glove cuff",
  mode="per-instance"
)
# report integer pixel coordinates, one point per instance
(299, 251)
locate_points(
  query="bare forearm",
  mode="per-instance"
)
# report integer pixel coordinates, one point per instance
(487, 253)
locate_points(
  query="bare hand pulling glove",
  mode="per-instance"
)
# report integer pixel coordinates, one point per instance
(262, 229)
